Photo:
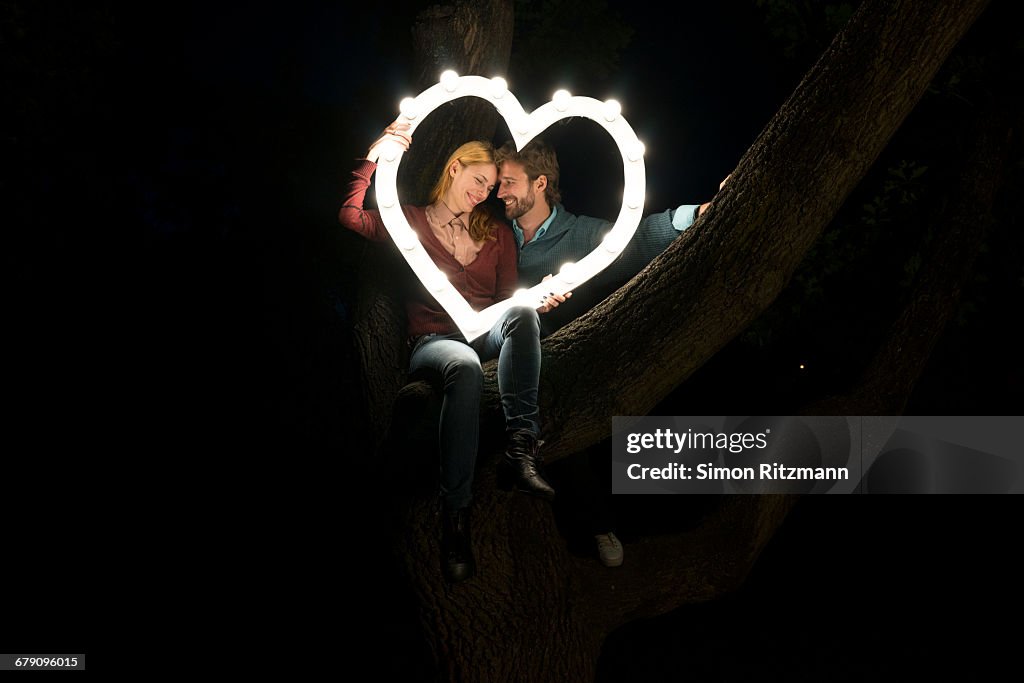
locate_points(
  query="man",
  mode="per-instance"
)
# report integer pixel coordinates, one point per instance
(549, 237)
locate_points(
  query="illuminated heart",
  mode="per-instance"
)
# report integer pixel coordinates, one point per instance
(524, 128)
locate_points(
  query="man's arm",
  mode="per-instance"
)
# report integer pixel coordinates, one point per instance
(652, 237)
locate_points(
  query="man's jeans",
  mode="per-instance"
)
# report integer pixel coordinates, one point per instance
(515, 340)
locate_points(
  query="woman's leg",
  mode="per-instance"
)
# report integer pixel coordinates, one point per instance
(515, 340)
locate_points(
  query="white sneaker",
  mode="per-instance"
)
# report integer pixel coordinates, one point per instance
(609, 549)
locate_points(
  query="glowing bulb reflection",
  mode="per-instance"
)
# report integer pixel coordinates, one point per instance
(450, 80)
(636, 152)
(407, 240)
(408, 108)
(498, 87)
(561, 99)
(611, 110)
(436, 281)
(569, 273)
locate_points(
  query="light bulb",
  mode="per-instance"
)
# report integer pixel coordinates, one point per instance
(611, 110)
(561, 99)
(408, 108)
(498, 87)
(450, 80)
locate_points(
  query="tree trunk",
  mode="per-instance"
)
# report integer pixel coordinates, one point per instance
(471, 38)
(379, 335)
(536, 613)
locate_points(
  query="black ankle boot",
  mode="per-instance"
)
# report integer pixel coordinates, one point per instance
(521, 465)
(456, 551)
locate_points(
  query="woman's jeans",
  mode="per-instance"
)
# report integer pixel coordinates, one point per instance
(515, 340)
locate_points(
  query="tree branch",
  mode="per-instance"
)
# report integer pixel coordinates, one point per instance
(668, 571)
(628, 353)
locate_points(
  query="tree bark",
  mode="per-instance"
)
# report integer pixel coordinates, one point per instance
(379, 334)
(536, 613)
(471, 38)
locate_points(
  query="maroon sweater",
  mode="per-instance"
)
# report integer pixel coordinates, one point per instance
(488, 279)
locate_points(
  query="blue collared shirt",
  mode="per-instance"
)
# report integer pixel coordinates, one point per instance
(521, 238)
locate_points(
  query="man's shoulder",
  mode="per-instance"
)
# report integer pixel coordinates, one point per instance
(565, 220)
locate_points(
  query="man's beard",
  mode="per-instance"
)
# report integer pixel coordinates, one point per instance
(520, 206)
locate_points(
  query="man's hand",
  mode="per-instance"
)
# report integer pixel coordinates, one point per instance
(552, 300)
(396, 133)
(705, 206)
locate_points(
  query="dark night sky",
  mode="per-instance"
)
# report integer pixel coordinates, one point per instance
(695, 87)
(181, 194)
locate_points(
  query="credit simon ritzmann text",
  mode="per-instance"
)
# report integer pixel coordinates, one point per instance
(666, 439)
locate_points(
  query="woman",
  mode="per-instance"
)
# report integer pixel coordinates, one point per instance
(478, 255)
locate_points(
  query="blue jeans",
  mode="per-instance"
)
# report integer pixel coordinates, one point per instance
(515, 340)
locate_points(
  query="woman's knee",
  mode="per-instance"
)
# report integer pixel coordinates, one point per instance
(463, 369)
(523, 320)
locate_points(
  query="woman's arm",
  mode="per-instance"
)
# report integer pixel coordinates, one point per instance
(366, 222)
(352, 214)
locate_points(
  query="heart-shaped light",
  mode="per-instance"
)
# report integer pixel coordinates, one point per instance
(524, 128)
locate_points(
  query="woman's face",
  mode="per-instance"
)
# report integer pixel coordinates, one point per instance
(470, 185)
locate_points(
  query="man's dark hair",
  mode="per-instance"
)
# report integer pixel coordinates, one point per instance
(538, 160)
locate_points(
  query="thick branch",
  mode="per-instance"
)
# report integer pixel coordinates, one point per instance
(628, 353)
(668, 571)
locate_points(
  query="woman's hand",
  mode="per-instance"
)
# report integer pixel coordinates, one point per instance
(396, 133)
(552, 300)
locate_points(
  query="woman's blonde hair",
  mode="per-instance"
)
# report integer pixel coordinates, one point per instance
(474, 152)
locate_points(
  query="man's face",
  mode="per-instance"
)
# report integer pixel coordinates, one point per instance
(516, 190)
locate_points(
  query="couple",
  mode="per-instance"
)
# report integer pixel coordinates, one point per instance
(486, 262)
